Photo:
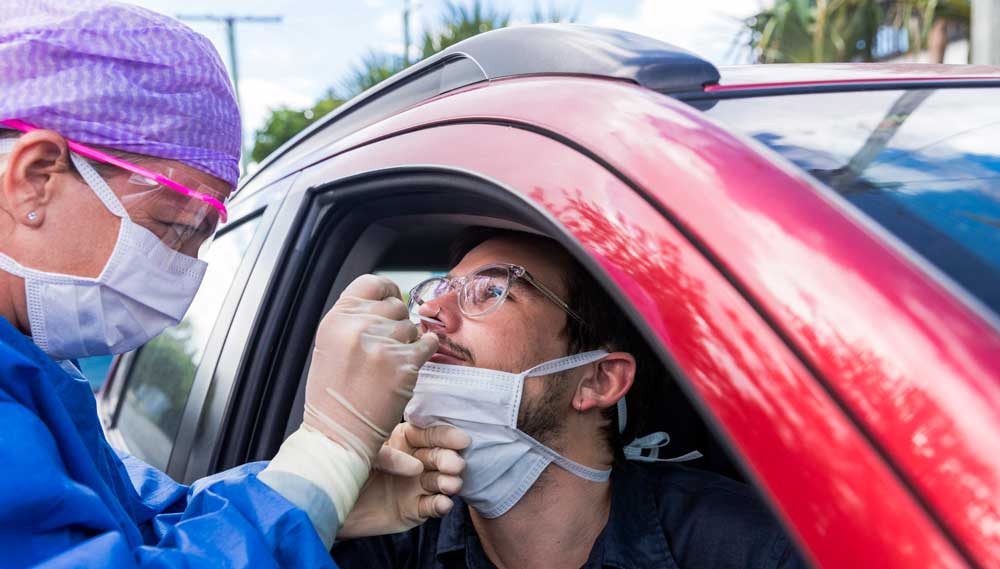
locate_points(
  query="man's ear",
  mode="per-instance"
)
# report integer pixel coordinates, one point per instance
(609, 381)
(28, 183)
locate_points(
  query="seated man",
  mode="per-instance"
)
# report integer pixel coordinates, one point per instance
(537, 493)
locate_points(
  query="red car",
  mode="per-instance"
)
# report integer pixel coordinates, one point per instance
(814, 252)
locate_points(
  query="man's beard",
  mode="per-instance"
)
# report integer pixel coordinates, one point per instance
(541, 417)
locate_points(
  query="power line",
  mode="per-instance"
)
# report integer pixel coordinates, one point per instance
(406, 33)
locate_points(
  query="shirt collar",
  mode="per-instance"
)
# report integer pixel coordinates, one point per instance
(633, 537)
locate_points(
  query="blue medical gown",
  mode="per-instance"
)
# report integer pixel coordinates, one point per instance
(67, 499)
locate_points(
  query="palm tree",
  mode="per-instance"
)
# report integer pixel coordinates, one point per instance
(374, 68)
(461, 22)
(801, 31)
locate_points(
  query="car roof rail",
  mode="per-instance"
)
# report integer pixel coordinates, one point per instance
(539, 49)
(574, 49)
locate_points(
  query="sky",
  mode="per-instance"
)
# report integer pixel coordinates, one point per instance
(295, 62)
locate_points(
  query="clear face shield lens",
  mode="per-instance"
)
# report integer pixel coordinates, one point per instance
(182, 223)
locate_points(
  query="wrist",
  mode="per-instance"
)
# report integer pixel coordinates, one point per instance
(344, 425)
(333, 475)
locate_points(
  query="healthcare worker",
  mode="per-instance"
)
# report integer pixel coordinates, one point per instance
(119, 144)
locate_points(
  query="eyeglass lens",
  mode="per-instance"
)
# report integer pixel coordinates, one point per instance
(478, 293)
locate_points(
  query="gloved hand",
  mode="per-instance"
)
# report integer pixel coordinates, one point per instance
(415, 472)
(364, 366)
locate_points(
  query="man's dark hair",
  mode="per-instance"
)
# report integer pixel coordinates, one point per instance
(604, 327)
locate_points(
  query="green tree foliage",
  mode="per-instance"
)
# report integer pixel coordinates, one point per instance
(803, 31)
(284, 123)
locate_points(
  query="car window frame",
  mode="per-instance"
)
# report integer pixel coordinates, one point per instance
(197, 425)
(111, 398)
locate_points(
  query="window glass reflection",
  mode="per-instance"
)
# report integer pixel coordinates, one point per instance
(925, 164)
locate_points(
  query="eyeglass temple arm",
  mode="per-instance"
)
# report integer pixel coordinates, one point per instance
(551, 296)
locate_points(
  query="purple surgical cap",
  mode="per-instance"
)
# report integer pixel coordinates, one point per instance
(116, 75)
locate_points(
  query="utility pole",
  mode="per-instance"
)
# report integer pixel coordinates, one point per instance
(406, 33)
(230, 21)
(985, 32)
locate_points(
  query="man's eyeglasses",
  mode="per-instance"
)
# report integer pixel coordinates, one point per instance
(482, 291)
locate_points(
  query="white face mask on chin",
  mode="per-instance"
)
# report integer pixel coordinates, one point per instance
(503, 462)
(145, 288)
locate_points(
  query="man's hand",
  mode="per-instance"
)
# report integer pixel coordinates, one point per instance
(415, 472)
(364, 366)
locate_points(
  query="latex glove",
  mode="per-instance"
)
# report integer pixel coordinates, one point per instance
(364, 366)
(415, 472)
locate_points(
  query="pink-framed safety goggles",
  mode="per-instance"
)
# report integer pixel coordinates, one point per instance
(106, 158)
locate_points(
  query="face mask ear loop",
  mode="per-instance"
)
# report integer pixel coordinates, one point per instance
(99, 186)
(563, 364)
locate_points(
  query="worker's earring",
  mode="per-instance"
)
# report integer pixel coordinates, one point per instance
(32, 216)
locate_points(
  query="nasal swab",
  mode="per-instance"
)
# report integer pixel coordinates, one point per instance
(431, 320)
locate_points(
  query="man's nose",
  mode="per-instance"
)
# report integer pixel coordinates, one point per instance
(443, 309)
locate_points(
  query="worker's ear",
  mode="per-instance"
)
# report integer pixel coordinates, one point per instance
(35, 167)
(605, 382)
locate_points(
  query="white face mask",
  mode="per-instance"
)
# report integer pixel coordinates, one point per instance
(503, 462)
(145, 288)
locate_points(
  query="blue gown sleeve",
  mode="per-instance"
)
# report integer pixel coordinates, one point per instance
(227, 520)
(68, 500)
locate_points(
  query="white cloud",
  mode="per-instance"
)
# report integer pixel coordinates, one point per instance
(267, 55)
(259, 96)
(390, 23)
(708, 27)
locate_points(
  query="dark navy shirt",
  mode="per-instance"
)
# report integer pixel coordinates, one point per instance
(665, 516)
